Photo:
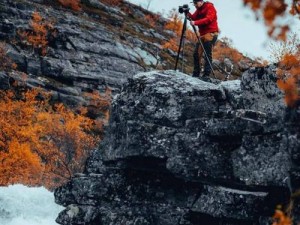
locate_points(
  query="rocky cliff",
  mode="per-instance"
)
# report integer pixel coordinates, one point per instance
(178, 150)
(88, 51)
(183, 151)
(99, 46)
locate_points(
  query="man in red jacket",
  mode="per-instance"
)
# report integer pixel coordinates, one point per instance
(205, 17)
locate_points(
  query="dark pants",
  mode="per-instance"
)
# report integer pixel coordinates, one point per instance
(208, 41)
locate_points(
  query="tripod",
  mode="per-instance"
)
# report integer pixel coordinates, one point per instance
(182, 44)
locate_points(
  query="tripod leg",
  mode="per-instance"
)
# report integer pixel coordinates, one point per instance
(182, 53)
(181, 41)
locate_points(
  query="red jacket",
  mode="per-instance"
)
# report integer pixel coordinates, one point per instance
(205, 18)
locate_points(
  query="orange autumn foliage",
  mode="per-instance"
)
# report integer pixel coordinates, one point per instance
(270, 10)
(19, 162)
(72, 4)
(254, 4)
(295, 7)
(175, 22)
(171, 44)
(65, 146)
(38, 36)
(41, 144)
(151, 19)
(224, 49)
(14, 148)
(288, 74)
(280, 218)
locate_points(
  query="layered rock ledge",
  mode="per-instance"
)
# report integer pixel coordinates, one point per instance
(179, 150)
(84, 55)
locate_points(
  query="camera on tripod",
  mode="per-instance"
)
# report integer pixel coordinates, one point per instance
(183, 9)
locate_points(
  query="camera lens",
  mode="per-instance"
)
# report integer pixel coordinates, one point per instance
(183, 9)
(180, 9)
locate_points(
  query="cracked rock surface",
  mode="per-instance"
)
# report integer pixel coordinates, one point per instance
(83, 56)
(179, 150)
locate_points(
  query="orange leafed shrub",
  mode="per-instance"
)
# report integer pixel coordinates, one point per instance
(171, 44)
(65, 146)
(19, 162)
(72, 4)
(288, 74)
(38, 36)
(281, 219)
(41, 144)
(289, 86)
(175, 23)
(224, 50)
(272, 9)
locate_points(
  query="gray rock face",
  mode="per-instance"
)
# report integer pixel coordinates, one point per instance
(179, 150)
(97, 47)
(260, 93)
(84, 55)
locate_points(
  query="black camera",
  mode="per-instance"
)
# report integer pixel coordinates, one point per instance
(183, 9)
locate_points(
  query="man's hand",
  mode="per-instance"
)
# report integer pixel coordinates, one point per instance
(192, 23)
